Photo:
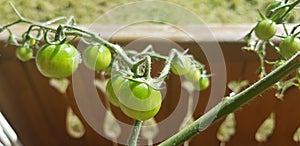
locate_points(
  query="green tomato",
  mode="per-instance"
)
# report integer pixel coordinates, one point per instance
(113, 87)
(265, 29)
(32, 42)
(199, 82)
(57, 61)
(139, 115)
(24, 53)
(202, 83)
(193, 75)
(97, 57)
(140, 90)
(289, 47)
(138, 100)
(180, 67)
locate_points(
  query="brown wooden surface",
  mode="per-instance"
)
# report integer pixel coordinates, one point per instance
(37, 111)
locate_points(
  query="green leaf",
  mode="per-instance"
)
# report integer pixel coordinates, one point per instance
(111, 127)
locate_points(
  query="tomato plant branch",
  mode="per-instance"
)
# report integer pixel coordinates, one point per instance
(132, 141)
(231, 104)
(74, 30)
(164, 73)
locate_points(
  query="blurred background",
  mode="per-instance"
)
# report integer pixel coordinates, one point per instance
(85, 12)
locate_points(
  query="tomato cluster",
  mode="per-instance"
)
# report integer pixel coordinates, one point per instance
(62, 60)
(134, 92)
(182, 65)
(276, 13)
(139, 100)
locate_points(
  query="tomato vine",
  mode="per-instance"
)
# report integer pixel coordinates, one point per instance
(132, 89)
(277, 13)
(134, 81)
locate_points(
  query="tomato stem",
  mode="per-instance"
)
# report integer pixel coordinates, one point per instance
(229, 105)
(132, 140)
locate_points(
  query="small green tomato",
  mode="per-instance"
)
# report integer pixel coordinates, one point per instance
(265, 29)
(202, 83)
(289, 47)
(32, 42)
(138, 100)
(193, 75)
(97, 57)
(113, 87)
(24, 53)
(57, 61)
(180, 67)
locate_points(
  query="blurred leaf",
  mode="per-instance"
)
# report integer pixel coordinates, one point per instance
(149, 129)
(296, 136)
(101, 84)
(237, 86)
(266, 128)
(74, 126)
(111, 127)
(227, 128)
(60, 84)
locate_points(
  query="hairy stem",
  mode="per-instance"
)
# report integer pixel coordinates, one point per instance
(132, 141)
(230, 104)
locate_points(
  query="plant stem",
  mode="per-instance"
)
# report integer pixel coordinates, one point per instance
(135, 133)
(231, 104)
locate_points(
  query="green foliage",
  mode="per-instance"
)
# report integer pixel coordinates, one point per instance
(212, 11)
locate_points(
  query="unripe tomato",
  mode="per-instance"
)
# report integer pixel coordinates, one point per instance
(138, 100)
(265, 29)
(180, 67)
(199, 82)
(24, 53)
(113, 87)
(193, 75)
(202, 83)
(57, 61)
(32, 42)
(97, 57)
(289, 47)
(139, 115)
